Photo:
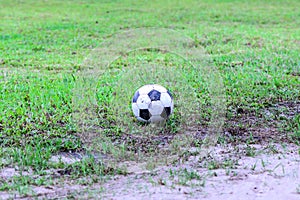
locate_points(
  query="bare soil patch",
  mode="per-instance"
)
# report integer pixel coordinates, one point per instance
(225, 173)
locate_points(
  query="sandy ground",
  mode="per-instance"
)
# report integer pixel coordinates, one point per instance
(274, 173)
(266, 176)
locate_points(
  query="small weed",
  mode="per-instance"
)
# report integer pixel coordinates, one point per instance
(185, 176)
(253, 167)
(263, 164)
(250, 151)
(212, 163)
(24, 183)
(85, 167)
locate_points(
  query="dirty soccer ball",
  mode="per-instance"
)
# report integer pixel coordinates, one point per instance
(152, 103)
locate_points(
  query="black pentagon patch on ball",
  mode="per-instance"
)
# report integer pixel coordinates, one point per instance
(154, 95)
(168, 111)
(145, 114)
(135, 97)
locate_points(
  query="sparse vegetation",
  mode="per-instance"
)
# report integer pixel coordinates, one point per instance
(50, 105)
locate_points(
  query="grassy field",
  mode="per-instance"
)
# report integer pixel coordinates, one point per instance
(254, 46)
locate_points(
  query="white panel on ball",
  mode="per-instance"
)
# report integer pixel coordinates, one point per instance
(159, 88)
(135, 109)
(165, 99)
(143, 101)
(156, 108)
(145, 89)
(156, 118)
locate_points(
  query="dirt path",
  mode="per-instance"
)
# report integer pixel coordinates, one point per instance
(273, 173)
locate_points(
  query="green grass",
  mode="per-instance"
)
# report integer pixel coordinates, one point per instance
(255, 46)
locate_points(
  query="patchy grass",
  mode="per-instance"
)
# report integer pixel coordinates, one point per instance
(43, 46)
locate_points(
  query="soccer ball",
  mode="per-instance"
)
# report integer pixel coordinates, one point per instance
(152, 103)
